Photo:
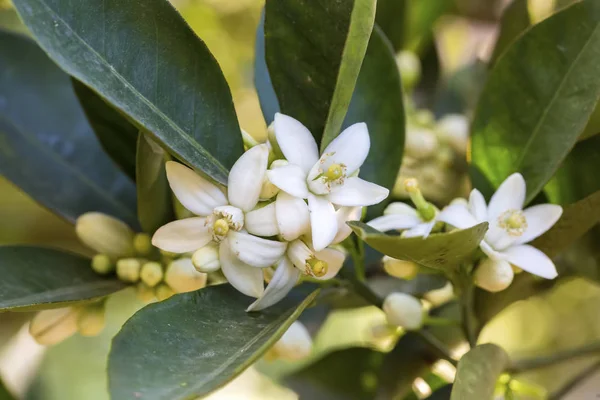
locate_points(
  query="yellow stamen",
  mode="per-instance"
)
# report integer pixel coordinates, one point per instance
(221, 227)
(334, 172)
(317, 267)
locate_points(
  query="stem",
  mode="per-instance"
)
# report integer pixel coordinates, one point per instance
(468, 318)
(540, 362)
(357, 260)
(361, 288)
(436, 346)
(583, 375)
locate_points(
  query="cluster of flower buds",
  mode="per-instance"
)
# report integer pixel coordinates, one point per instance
(285, 205)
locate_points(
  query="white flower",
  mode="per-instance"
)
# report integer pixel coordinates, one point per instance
(403, 310)
(326, 181)
(221, 220)
(299, 259)
(399, 216)
(493, 275)
(511, 227)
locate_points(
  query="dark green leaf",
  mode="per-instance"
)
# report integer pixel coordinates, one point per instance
(47, 147)
(348, 374)
(193, 343)
(442, 393)
(478, 371)
(391, 18)
(116, 134)
(35, 278)
(593, 126)
(440, 251)
(314, 51)
(514, 22)
(266, 94)
(145, 60)
(155, 206)
(539, 97)
(377, 101)
(4, 393)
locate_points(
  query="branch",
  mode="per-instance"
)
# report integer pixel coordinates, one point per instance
(540, 362)
(436, 346)
(583, 375)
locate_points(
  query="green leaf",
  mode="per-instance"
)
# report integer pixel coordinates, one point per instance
(515, 20)
(262, 80)
(194, 343)
(144, 59)
(155, 205)
(116, 134)
(314, 52)
(391, 18)
(4, 393)
(478, 371)
(422, 14)
(47, 147)
(440, 251)
(377, 101)
(36, 278)
(539, 97)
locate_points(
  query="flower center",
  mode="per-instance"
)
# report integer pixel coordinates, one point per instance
(223, 219)
(220, 227)
(334, 172)
(513, 222)
(316, 267)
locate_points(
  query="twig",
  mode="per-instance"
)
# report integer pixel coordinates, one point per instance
(436, 346)
(583, 375)
(468, 318)
(540, 362)
(361, 288)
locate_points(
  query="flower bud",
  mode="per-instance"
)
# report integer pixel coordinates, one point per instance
(206, 259)
(454, 130)
(128, 269)
(142, 242)
(105, 234)
(102, 264)
(151, 273)
(295, 344)
(91, 320)
(410, 68)
(403, 310)
(440, 296)
(420, 143)
(163, 292)
(249, 141)
(145, 293)
(400, 268)
(494, 275)
(181, 276)
(50, 327)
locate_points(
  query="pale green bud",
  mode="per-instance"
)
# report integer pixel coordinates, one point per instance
(294, 345)
(440, 296)
(128, 269)
(493, 275)
(410, 68)
(50, 327)
(420, 143)
(182, 277)
(400, 268)
(142, 244)
(454, 130)
(151, 273)
(91, 319)
(206, 259)
(163, 292)
(403, 310)
(105, 234)
(145, 293)
(248, 139)
(102, 264)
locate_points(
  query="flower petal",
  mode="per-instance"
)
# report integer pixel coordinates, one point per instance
(334, 259)
(422, 230)
(322, 220)
(477, 206)
(284, 280)
(398, 207)
(262, 221)
(255, 251)
(350, 148)
(531, 260)
(296, 142)
(243, 277)
(343, 215)
(289, 178)
(195, 193)
(246, 177)
(509, 196)
(358, 192)
(539, 218)
(292, 216)
(182, 236)
(394, 222)
(458, 216)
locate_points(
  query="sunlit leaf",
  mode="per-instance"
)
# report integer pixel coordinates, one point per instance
(478, 371)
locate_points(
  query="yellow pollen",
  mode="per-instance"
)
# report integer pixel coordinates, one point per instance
(221, 227)
(513, 221)
(411, 185)
(317, 267)
(334, 172)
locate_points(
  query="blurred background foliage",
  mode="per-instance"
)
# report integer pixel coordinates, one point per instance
(453, 38)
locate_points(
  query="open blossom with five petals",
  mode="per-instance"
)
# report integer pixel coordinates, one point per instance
(221, 220)
(327, 181)
(510, 227)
